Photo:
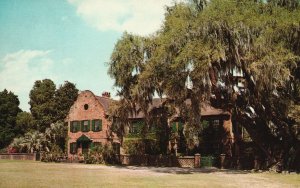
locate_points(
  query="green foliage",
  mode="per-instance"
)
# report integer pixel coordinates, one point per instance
(42, 104)
(54, 155)
(9, 108)
(134, 147)
(208, 161)
(203, 42)
(64, 98)
(48, 105)
(141, 146)
(25, 123)
(18, 145)
(31, 142)
(101, 154)
(57, 134)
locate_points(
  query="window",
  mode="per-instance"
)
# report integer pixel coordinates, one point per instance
(216, 123)
(136, 127)
(97, 125)
(73, 148)
(85, 126)
(133, 128)
(86, 106)
(176, 126)
(116, 148)
(74, 126)
(152, 129)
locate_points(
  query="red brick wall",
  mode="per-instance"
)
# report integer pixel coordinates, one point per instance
(95, 111)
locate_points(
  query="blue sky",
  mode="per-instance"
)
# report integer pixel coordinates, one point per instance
(67, 40)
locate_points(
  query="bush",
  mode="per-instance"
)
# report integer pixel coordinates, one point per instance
(208, 161)
(54, 155)
(101, 154)
(94, 156)
(7, 150)
(141, 146)
(134, 147)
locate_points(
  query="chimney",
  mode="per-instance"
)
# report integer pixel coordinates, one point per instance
(106, 94)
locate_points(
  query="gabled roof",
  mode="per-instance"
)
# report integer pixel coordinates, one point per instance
(206, 109)
(104, 101)
(83, 138)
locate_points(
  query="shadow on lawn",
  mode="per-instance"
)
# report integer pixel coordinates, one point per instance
(177, 170)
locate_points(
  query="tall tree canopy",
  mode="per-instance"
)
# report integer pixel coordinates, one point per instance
(42, 104)
(9, 108)
(48, 104)
(205, 43)
(25, 123)
(64, 98)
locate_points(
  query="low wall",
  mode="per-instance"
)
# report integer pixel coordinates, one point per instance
(20, 156)
(160, 160)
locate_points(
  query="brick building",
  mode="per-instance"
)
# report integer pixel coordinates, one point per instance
(87, 122)
(217, 131)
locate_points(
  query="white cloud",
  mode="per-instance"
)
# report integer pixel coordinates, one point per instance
(135, 16)
(19, 71)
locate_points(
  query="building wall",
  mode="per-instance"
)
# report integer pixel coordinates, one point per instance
(78, 113)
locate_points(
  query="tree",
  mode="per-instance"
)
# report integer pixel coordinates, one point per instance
(57, 134)
(9, 108)
(31, 142)
(42, 103)
(24, 123)
(252, 39)
(35, 142)
(17, 145)
(201, 43)
(64, 98)
(48, 104)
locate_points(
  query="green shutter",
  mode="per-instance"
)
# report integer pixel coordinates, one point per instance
(82, 125)
(93, 125)
(180, 126)
(72, 148)
(77, 126)
(174, 128)
(100, 125)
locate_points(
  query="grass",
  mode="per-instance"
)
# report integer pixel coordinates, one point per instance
(38, 174)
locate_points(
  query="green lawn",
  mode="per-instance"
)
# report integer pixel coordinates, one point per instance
(38, 174)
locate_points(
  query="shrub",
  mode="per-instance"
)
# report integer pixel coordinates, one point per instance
(54, 155)
(6, 150)
(134, 147)
(94, 156)
(141, 146)
(101, 154)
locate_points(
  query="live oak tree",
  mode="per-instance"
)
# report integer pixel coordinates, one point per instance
(203, 43)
